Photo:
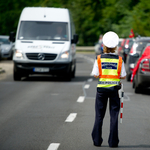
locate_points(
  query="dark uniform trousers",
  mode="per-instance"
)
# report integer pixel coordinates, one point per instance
(100, 109)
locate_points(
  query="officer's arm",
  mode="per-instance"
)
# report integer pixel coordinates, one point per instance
(123, 77)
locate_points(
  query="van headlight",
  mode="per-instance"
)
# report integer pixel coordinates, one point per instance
(64, 56)
(18, 54)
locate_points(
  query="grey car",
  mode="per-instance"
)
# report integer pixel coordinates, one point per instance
(6, 47)
(142, 77)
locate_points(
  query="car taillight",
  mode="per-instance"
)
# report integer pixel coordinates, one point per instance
(145, 66)
(131, 69)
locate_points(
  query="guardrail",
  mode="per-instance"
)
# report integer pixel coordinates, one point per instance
(87, 48)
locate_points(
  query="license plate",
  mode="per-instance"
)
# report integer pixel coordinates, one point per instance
(41, 69)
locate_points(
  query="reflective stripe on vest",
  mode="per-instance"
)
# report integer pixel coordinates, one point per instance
(109, 71)
(109, 82)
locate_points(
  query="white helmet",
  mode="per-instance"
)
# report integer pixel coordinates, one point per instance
(110, 39)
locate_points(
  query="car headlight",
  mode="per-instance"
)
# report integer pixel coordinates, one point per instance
(18, 54)
(7, 48)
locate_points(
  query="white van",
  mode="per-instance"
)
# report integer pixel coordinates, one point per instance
(45, 43)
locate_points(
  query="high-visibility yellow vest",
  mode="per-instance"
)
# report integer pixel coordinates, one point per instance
(109, 70)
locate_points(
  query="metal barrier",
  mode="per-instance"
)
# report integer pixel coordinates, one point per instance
(87, 48)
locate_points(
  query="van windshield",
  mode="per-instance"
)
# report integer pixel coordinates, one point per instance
(35, 30)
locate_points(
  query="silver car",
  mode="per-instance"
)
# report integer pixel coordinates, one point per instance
(6, 47)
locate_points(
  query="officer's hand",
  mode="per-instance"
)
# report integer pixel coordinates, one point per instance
(123, 77)
(96, 76)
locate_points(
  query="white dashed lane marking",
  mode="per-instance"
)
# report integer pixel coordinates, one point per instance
(81, 99)
(71, 117)
(53, 146)
(86, 86)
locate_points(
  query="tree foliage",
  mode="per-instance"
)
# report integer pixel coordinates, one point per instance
(91, 18)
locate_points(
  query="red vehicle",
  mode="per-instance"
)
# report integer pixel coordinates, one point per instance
(138, 46)
(141, 72)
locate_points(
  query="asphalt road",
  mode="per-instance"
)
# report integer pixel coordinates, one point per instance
(47, 113)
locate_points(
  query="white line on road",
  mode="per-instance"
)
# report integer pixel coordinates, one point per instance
(90, 80)
(71, 117)
(53, 146)
(126, 97)
(81, 99)
(86, 86)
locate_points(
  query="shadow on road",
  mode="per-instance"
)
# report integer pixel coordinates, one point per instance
(145, 91)
(142, 146)
(135, 146)
(56, 79)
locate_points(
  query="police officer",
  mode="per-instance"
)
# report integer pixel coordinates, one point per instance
(109, 68)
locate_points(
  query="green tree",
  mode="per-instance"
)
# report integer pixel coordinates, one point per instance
(86, 14)
(10, 11)
(141, 22)
(91, 18)
(117, 16)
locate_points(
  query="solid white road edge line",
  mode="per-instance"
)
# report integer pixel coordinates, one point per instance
(91, 74)
(53, 146)
(86, 86)
(71, 117)
(87, 58)
(81, 99)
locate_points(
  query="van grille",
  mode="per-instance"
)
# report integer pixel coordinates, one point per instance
(41, 56)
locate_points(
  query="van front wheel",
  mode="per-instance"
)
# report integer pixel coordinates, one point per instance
(17, 76)
(68, 75)
(73, 72)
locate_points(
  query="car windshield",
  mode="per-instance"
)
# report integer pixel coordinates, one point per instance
(35, 30)
(130, 43)
(4, 41)
(141, 45)
(119, 43)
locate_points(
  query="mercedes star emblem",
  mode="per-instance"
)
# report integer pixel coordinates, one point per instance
(41, 56)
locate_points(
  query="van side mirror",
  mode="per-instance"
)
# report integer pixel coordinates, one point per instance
(12, 37)
(75, 39)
